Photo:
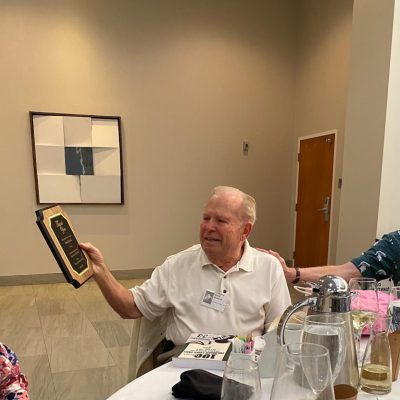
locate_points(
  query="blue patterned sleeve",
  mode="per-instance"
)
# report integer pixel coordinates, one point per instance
(382, 260)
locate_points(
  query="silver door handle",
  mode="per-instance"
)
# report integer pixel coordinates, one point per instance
(326, 208)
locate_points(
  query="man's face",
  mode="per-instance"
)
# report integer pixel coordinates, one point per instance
(222, 232)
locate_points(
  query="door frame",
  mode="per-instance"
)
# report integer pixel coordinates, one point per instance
(299, 139)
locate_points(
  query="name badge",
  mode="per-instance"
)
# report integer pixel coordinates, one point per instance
(217, 301)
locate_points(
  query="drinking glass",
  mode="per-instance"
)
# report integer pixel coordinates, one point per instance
(394, 307)
(394, 333)
(241, 380)
(327, 330)
(376, 373)
(303, 372)
(364, 306)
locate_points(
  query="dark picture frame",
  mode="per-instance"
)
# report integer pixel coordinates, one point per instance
(77, 158)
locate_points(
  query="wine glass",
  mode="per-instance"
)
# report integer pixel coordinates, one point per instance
(327, 330)
(303, 372)
(241, 379)
(364, 306)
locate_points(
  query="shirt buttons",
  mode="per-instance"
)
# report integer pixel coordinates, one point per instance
(224, 276)
(224, 291)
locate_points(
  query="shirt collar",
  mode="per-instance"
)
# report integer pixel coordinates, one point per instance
(244, 263)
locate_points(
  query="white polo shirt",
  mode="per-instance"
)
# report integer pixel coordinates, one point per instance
(255, 290)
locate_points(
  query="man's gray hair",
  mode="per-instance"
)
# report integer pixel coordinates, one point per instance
(248, 202)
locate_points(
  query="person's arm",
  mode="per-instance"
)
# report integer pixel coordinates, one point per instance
(312, 274)
(13, 383)
(120, 298)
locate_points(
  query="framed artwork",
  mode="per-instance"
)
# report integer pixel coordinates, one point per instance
(77, 158)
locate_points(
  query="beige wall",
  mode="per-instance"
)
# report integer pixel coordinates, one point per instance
(365, 126)
(389, 199)
(190, 80)
(321, 80)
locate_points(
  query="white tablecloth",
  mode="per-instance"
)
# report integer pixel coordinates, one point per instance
(157, 384)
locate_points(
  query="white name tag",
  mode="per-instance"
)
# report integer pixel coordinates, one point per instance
(217, 301)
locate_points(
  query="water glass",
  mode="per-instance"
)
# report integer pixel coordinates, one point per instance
(394, 333)
(303, 372)
(394, 307)
(241, 380)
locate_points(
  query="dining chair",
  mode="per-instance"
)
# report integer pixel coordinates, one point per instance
(145, 342)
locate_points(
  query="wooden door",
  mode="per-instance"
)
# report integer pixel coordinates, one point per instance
(314, 198)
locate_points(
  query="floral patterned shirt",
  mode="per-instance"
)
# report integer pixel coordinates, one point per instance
(382, 260)
(13, 384)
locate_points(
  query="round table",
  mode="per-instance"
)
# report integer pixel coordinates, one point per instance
(157, 384)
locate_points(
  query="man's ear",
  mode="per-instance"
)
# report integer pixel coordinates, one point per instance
(247, 228)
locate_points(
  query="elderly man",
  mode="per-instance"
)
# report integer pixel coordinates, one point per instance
(248, 286)
(380, 261)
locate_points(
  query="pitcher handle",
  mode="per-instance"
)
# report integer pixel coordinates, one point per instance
(304, 290)
(308, 301)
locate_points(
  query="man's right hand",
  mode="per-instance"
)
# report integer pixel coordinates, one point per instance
(95, 256)
(120, 298)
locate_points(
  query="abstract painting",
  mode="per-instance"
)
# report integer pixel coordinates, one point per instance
(77, 158)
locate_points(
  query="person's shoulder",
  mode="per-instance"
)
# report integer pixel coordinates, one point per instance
(191, 251)
(388, 240)
(258, 252)
(263, 257)
(395, 235)
(266, 265)
(183, 260)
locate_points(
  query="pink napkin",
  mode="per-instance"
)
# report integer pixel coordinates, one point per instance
(368, 299)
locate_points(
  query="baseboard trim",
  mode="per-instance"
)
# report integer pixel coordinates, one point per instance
(59, 277)
(133, 273)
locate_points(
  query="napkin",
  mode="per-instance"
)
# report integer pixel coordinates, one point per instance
(367, 301)
(198, 384)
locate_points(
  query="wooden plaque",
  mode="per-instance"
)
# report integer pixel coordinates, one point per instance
(57, 229)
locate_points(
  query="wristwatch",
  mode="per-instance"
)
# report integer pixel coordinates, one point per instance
(297, 278)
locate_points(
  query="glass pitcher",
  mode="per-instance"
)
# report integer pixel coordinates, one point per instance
(376, 373)
(327, 330)
(330, 297)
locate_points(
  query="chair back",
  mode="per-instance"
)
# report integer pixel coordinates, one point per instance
(146, 336)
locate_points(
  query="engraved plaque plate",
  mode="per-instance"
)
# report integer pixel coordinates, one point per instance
(59, 234)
